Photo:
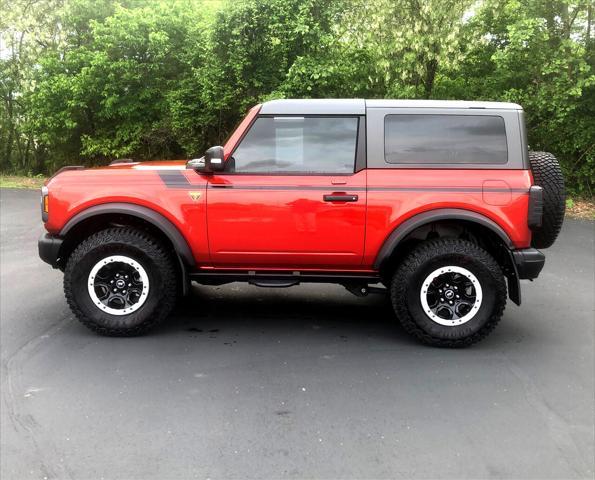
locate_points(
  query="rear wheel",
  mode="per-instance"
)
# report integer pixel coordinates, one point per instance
(448, 293)
(120, 282)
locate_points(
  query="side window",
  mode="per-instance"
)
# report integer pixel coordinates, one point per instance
(298, 145)
(445, 139)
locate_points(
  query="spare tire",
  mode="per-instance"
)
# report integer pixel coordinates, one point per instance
(548, 175)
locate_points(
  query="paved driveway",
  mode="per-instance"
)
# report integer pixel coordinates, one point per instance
(307, 382)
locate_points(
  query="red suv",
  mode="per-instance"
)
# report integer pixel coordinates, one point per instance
(439, 201)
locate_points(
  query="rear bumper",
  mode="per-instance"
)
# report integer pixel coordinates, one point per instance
(528, 262)
(49, 249)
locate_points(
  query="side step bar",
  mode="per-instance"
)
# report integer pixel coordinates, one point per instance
(282, 280)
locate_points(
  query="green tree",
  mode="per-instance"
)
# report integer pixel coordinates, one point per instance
(107, 96)
(26, 29)
(539, 55)
(384, 48)
(252, 45)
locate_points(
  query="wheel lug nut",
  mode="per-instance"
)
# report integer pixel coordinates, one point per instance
(130, 284)
(458, 296)
(126, 276)
(450, 303)
(111, 281)
(123, 291)
(441, 299)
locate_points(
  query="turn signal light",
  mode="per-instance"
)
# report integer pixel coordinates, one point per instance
(45, 203)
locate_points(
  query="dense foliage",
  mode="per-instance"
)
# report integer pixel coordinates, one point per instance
(86, 81)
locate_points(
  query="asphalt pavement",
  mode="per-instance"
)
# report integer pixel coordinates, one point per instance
(306, 382)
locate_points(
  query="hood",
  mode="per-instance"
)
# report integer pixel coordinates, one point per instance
(148, 165)
(140, 171)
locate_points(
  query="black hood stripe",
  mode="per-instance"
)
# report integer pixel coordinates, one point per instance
(174, 179)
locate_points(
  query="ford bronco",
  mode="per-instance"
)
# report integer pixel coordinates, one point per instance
(440, 201)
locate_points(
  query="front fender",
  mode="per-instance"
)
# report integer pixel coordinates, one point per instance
(144, 213)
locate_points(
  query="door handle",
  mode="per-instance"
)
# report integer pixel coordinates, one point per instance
(340, 198)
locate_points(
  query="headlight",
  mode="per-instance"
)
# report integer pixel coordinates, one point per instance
(45, 204)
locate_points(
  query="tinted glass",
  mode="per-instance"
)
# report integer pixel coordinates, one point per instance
(298, 145)
(426, 139)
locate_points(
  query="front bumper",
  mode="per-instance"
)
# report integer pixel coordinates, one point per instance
(49, 249)
(528, 262)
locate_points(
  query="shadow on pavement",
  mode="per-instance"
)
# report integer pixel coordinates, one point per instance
(245, 309)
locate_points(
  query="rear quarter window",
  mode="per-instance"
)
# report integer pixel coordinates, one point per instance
(445, 139)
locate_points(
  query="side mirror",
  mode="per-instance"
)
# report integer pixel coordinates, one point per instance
(213, 161)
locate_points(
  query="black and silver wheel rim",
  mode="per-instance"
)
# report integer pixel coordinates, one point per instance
(118, 285)
(451, 295)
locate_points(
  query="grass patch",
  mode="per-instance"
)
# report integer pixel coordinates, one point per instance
(16, 181)
(580, 208)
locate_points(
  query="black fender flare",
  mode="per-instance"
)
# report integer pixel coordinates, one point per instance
(431, 216)
(144, 213)
(421, 219)
(183, 251)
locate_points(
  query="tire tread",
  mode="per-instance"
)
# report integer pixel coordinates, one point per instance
(548, 175)
(418, 257)
(152, 248)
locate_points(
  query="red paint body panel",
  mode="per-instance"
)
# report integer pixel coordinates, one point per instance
(421, 192)
(74, 191)
(281, 222)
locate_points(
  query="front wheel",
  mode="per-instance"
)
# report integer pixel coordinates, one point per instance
(448, 293)
(120, 282)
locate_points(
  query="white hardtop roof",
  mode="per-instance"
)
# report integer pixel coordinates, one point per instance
(336, 106)
(355, 106)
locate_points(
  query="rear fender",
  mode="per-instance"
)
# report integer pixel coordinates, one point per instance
(400, 233)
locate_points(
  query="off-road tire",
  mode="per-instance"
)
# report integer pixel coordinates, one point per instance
(548, 175)
(144, 249)
(430, 255)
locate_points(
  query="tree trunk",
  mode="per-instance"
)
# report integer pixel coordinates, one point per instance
(431, 69)
(5, 161)
(588, 36)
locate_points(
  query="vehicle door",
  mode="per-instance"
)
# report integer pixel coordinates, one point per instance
(292, 196)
